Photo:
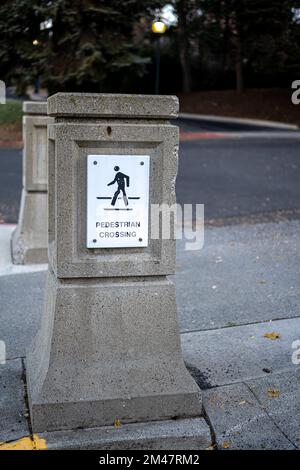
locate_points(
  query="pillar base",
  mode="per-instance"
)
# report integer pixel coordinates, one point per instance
(29, 243)
(108, 350)
(183, 434)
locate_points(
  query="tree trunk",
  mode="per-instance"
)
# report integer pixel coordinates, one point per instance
(182, 11)
(185, 68)
(239, 64)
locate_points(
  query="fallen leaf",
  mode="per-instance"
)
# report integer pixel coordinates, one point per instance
(273, 393)
(272, 335)
(117, 423)
(243, 402)
(225, 445)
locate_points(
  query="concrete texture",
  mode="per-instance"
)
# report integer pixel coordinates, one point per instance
(284, 410)
(30, 240)
(272, 416)
(13, 421)
(120, 360)
(241, 413)
(111, 105)
(21, 309)
(108, 346)
(244, 274)
(263, 293)
(35, 172)
(7, 268)
(235, 354)
(185, 434)
(240, 422)
(69, 146)
(35, 107)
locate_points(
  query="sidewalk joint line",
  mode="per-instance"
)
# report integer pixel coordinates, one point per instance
(247, 379)
(269, 416)
(211, 428)
(225, 327)
(26, 401)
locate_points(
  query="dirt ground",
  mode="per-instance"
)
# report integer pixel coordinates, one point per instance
(11, 136)
(269, 104)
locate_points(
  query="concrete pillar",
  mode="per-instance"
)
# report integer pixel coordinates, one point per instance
(30, 239)
(109, 348)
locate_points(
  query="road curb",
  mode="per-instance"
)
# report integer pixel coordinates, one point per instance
(243, 121)
(196, 136)
(6, 266)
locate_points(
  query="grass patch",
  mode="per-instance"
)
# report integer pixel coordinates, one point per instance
(11, 115)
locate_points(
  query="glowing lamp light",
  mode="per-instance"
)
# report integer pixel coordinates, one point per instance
(159, 27)
(35, 42)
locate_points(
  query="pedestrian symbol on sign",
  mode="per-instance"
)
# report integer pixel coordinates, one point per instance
(122, 181)
(117, 200)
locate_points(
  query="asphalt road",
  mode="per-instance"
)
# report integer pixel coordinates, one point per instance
(10, 184)
(233, 177)
(239, 177)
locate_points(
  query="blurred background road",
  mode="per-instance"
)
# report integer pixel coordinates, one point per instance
(233, 175)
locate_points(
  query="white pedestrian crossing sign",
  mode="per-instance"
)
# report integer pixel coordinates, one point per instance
(117, 201)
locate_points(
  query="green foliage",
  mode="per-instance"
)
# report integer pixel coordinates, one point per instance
(90, 46)
(265, 30)
(19, 26)
(107, 45)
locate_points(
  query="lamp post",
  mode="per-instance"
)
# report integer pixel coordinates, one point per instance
(36, 43)
(158, 28)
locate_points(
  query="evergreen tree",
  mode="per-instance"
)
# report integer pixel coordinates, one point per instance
(255, 33)
(90, 45)
(19, 28)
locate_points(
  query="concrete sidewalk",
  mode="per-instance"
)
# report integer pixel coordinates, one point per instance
(242, 285)
(6, 266)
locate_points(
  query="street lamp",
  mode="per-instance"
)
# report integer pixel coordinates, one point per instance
(159, 28)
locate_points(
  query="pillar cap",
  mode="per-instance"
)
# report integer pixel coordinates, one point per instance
(35, 107)
(99, 105)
